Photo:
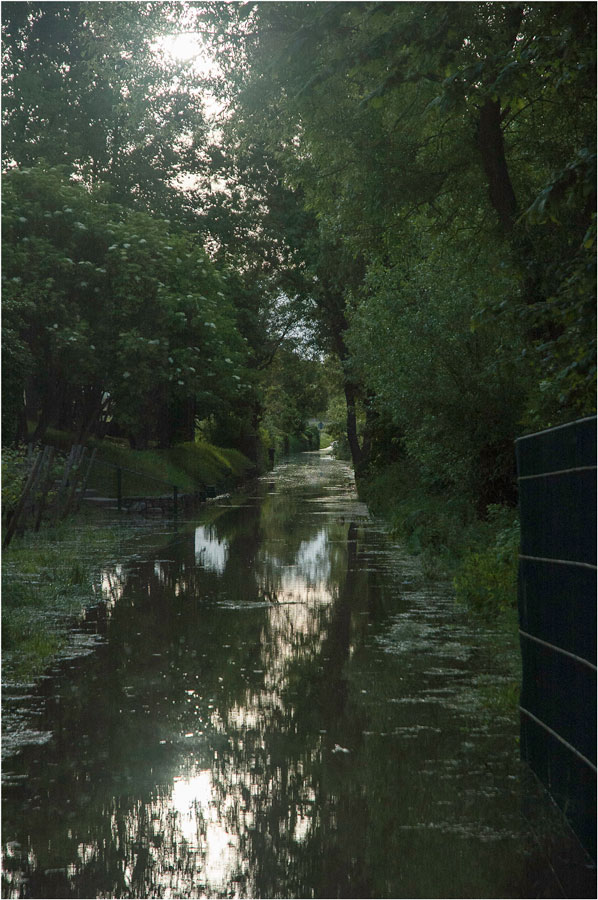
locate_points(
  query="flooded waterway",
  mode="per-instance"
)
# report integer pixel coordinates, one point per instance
(277, 703)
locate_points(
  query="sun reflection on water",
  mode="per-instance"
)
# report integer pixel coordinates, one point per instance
(211, 551)
(202, 825)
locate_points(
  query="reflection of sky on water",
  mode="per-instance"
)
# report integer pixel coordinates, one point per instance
(211, 551)
(306, 580)
(202, 823)
(212, 811)
(213, 820)
(192, 838)
(271, 718)
(112, 581)
(313, 558)
(193, 835)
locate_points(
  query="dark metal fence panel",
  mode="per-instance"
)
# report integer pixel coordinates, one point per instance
(557, 616)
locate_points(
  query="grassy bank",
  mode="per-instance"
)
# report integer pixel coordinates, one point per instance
(478, 556)
(186, 465)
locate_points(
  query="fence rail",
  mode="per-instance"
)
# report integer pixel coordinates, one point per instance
(557, 616)
(176, 492)
(56, 486)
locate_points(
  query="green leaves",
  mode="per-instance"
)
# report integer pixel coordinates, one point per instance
(85, 87)
(113, 301)
(571, 187)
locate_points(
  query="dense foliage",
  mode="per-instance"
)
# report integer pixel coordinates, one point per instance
(445, 154)
(116, 319)
(87, 86)
(118, 316)
(407, 189)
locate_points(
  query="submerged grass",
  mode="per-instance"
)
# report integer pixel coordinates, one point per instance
(480, 558)
(47, 578)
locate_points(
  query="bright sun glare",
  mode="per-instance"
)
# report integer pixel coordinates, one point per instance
(184, 47)
(187, 47)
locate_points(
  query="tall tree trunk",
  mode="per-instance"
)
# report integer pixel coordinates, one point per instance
(359, 454)
(350, 396)
(368, 432)
(490, 136)
(43, 423)
(22, 432)
(92, 411)
(494, 161)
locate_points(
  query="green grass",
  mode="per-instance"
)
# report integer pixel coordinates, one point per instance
(188, 466)
(47, 578)
(436, 526)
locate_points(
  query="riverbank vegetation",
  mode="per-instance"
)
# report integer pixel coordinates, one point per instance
(143, 473)
(47, 580)
(392, 212)
(479, 556)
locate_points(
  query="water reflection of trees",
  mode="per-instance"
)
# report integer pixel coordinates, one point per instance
(200, 750)
(192, 757)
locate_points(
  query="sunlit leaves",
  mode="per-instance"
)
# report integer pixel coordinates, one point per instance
(85, 87)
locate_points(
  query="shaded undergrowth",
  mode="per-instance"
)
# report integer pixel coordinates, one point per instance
(478, 555)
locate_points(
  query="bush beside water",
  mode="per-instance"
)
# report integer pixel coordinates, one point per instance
(480, 557)
(486, 577)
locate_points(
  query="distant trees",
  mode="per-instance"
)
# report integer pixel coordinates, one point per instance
(296, 390)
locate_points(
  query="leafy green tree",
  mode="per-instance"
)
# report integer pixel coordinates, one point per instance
(471, 124)
(119, 315)
(453, 384)
(86, 86)
(370, 151)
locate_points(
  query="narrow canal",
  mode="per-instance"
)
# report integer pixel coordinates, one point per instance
(279, 704)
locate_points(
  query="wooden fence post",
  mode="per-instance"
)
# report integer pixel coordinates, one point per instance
(29, 484)
(32, 500)
(77, 470)
(86, 479)
(46, 484)
(64, 481)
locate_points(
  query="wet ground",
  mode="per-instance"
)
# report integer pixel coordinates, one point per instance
(277, 704)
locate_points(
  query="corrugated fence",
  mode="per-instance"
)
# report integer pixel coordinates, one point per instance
(557, 615)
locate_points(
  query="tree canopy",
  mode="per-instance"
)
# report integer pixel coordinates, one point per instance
(406, 187)
(446, 152)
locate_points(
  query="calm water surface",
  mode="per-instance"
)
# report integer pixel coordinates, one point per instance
(278, 704)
